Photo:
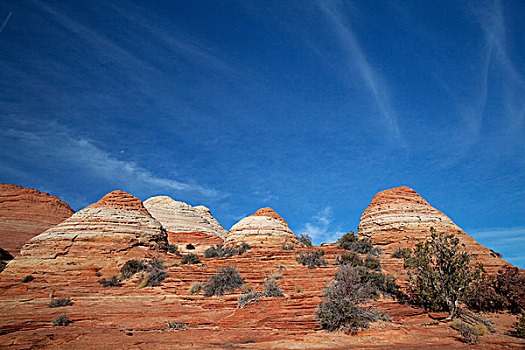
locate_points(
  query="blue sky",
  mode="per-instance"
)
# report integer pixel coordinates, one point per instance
(310, 107)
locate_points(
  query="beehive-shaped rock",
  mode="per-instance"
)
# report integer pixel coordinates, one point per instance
(95, 235)
(265, 228)
(400, 217)
(180, 217)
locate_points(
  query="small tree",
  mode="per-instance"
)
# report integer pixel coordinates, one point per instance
(439, 274)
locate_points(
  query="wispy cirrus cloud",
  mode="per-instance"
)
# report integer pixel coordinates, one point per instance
(503, 240)
(320, 227)
(375, 83)
(55, 146)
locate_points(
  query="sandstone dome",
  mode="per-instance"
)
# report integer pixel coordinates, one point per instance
(95, 235)
(400, 217)
(265, 228)
(180, 217)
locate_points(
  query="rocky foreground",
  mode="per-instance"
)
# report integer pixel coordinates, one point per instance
(71, 258)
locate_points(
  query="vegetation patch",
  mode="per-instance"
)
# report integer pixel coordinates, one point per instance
(519, 326)
(312, 259)
(60, 302)
(154, 275)
(350, 258)
(350, 241)
(219, 251)
(61, 320)
(173, 249)
(227, 279)
(27, 279)
(305, 240)
(190, 246)
(469, 334)
(177, 325)
(131, 267)
(112, 281)
(288, 247)
(190, 259)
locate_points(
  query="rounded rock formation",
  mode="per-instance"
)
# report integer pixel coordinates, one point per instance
(25, 213)
(400, 217)
(180, 217)
(95, 235)
(265, 228)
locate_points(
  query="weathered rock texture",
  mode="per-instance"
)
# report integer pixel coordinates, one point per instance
(93, 238)
(399, 217)
(265, 228)
(180, 217)
(24, 213)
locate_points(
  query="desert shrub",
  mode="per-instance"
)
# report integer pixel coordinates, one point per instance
(27, 279)
(61, 320)
(280, 267)
(288, 247)
(469, 334)
(226, 280)
(348, 284)
(190, 259)
(510, 282)
(519, 326)
(3, 265)
(154, 275)
(190, 246)
(372, 263)
(503, 291)
(196, 287)
(131, 267)
(246, 288)
(312, 259)
(439, 273)
(343, 314)
(113, 281)
(350, 241)
(350, 258)
(60, 302)
(481, 295)
(220, 252)
(176, 325)
(173, 249)
(249, 297)
(274, 276)
(305, 240)
(272, 289)
(152, 278)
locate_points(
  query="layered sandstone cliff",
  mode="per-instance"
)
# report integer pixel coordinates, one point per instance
(400, 217)
(265, 228)
(24, 213)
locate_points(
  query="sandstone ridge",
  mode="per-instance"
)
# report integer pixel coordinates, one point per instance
(265, 228)
(24, 213)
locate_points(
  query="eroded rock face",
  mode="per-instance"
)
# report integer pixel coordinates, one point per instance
(25, 213)
(400, 217)
(98, 235)
(265, 228)
(180, 217)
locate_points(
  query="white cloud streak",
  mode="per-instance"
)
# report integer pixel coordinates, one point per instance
(374, 82)
(55, 143)
(4, 23)
(503, 240)
(319, 228)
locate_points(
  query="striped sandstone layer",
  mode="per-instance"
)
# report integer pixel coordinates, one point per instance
(400, 217)
(265, 228)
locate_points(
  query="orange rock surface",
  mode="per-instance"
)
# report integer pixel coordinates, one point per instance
(24, 213)
(265, 228)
